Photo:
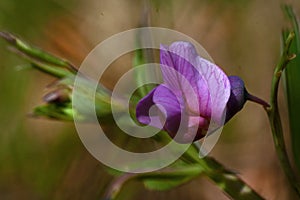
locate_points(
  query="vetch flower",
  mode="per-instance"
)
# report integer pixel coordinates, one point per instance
(194, 94)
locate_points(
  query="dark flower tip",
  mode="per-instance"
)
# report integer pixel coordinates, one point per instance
(238, 97)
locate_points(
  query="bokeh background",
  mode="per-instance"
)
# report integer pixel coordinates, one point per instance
(44, 159)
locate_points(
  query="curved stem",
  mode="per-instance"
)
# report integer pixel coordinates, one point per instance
(274, 116)
(228, 181)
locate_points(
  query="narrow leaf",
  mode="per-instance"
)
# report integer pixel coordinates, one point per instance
(292, 82)
(36, 53)
(170, 180)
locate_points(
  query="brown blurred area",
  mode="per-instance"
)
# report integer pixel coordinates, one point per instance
(243, 37)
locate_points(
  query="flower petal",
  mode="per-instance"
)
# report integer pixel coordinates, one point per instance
(180, 72)
(178, 123)
(171, 116)
(143, 111)
(168, 109)
(170, 106)
(195, 92)
(219, 88)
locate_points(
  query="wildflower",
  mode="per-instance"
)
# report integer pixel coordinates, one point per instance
(194, 93)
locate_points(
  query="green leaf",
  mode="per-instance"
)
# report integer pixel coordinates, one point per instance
(292, 82)
(36, 55)
(54, 111)
(157, 180)
(175, 177)
(50, 69)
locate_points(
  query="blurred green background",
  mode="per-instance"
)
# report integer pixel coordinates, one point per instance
(44, 159)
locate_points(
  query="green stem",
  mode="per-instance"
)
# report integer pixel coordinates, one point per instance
(274, 116)
(228, 181)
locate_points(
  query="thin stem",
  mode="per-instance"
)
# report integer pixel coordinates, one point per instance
(274, 116)
(229, 182)
(255, 99)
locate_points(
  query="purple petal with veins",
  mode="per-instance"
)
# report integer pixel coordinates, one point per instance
(195, 93)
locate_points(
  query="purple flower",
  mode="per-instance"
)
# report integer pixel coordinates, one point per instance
(194, 93)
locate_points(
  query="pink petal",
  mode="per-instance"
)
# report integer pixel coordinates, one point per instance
(179, 68)
(168, 109)
(219, 88)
